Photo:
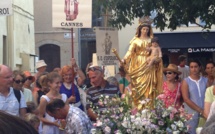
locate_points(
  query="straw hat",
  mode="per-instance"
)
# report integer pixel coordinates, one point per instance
(40, 63)
(173, 68)
(28, 74)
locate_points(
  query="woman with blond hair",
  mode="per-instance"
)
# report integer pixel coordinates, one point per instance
(50, 125)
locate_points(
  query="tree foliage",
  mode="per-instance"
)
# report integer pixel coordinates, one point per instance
(169, 13)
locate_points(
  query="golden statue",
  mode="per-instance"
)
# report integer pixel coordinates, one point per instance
(146, 81)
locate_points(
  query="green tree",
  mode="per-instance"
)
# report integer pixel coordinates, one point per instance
(169, 13)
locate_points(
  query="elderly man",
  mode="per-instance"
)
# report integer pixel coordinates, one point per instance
(100, 87)
(77, 122)
(11, 101)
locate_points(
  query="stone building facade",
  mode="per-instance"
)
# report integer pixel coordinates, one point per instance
(54, 45)
(17, 47)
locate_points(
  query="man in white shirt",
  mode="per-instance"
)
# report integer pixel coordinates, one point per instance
(183, 68)
(8, 101)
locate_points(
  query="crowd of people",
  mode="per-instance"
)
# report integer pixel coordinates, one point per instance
(55, 103)
(51, 102)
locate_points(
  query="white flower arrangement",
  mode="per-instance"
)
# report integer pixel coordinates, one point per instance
(120, 118)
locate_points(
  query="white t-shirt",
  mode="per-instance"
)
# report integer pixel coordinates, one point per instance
(185, 71)
(27, 94)
(10, 103)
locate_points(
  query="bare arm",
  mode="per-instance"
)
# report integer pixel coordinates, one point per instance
(81, 77)
(35, 96)
(190, 103)
(71, 99)
(91, 114)
(42, 110)
(121, 88)
(80, 73)
(22, 112)
(207, 107)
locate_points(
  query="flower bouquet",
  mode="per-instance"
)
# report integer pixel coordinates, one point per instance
(119, 117)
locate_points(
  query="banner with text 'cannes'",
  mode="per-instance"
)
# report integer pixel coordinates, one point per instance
(72, 13)
(6, 7)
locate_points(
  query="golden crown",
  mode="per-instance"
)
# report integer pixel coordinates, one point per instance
(146, 20)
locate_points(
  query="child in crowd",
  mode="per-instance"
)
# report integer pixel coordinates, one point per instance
(33, 120)
(31, 107)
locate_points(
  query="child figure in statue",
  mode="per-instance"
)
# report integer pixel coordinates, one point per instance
(155, 52)
(146, 81)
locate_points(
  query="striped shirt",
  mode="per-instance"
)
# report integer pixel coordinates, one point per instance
(94, 93)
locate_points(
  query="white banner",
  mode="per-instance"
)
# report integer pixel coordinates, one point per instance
(106, 40)
(6, 7)
(72, 13)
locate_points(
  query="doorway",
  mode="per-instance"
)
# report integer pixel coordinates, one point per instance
(50, 53)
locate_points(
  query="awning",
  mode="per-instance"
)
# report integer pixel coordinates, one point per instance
(186, 40)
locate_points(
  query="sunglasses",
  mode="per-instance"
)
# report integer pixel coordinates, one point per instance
(19, 81)
(29, 78)
(168, 73)
(94, 68)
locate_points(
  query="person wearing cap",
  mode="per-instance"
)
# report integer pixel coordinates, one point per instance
(155, 52)
(29, 80)
(41, 68)
(182, 67)
(171, 87)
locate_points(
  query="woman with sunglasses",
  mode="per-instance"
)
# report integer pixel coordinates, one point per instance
(171, 87)
(53, 82)
(29, 80)
(193, 92)
(18, 82)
